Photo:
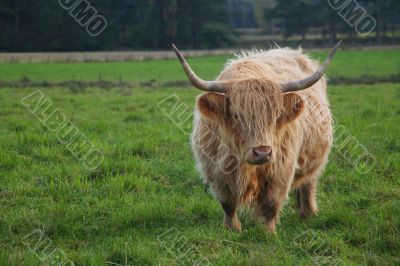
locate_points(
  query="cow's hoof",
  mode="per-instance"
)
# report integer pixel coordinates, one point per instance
(271, 226)
(232, 224)
(306, 213)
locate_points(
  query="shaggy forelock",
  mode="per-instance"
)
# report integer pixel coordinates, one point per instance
(258, 104)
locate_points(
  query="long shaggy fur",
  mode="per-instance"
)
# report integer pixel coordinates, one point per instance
(255, 112)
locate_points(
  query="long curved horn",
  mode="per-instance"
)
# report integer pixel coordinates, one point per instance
(314, 78)
(213, 86)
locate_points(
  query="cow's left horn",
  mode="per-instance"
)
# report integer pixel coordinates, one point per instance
(314, 78)
(213, 86)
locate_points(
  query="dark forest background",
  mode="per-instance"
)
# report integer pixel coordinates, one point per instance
(43, 25)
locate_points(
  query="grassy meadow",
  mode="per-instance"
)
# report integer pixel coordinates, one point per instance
(346, 64)
(147, 196)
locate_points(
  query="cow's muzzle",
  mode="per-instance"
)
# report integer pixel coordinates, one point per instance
(259, 155)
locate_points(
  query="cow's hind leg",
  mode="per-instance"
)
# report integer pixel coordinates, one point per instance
(306, 199)
(306, 177)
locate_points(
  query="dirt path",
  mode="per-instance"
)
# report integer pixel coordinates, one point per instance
(129, 56)
(102, 56)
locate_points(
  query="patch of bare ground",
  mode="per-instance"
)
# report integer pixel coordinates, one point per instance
(133, 55)
(103, 56)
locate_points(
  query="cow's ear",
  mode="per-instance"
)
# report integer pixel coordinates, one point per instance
(211, 105)
(293, 105)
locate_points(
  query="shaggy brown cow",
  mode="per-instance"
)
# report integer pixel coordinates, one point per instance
(263, 128)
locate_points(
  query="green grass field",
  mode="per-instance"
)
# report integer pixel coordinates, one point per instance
(147, 195)
(346, 64)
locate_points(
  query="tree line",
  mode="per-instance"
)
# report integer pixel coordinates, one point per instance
(33, 25)
(329, 18)
(43, 25)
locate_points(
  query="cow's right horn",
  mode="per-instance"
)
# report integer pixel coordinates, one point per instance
(212, 86)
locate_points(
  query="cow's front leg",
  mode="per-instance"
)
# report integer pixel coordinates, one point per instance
(270, 213)
(231, 221)
(225, 194)
(270, 202)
